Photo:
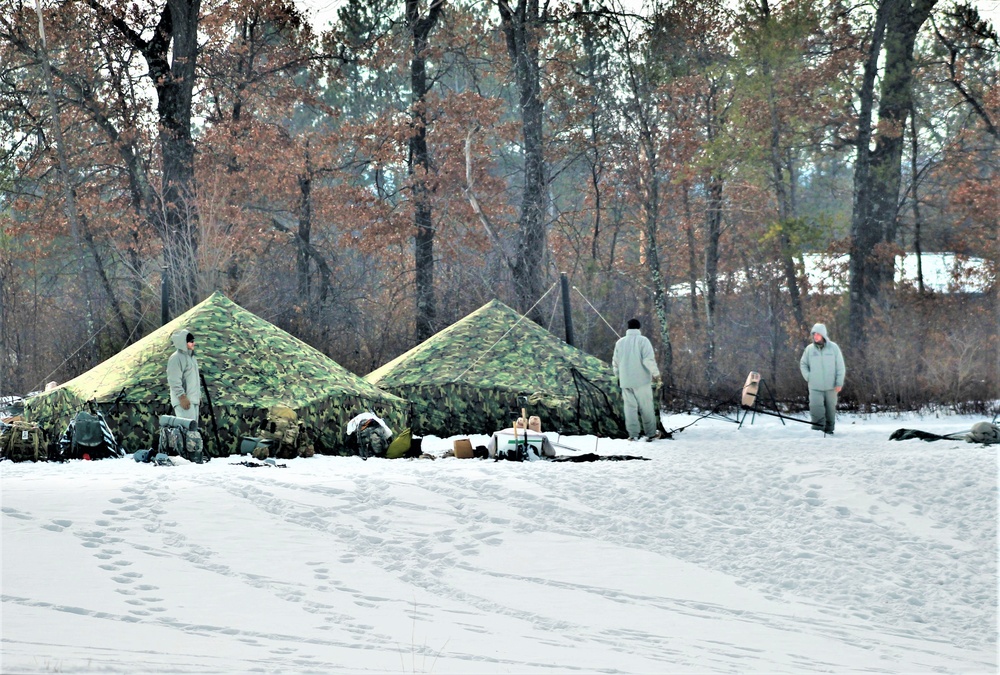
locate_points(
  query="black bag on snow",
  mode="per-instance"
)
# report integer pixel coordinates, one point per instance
(88, 435)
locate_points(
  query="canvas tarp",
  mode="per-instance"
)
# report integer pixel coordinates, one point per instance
(248, 365)
(467, 378)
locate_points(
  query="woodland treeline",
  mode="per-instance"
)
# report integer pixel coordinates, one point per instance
(366, 183)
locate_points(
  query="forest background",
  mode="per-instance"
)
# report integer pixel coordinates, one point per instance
(364, 181)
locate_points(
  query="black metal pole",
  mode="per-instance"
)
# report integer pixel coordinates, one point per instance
(567, 314)
(164, 296)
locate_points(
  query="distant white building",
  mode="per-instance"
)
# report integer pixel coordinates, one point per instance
(828, 274)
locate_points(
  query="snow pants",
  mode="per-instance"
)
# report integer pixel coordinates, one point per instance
(823, 409)
(639, 401)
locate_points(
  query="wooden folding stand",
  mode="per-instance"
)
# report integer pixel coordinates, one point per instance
(750, 401)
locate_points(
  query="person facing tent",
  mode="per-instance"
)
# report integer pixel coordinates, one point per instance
(634, 363)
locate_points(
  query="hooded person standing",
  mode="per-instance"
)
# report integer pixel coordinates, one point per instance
(182, 376)
(634, 364)
(822, 366)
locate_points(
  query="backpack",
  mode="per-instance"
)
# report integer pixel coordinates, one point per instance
(22, 441)
(373, 439)
(983, 432)
(180, 437)
(88, 436)
(280, 435)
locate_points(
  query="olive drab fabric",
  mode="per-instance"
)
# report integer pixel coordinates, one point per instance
(22, 441)
(282, 434)
(248, 364)
(467, 378)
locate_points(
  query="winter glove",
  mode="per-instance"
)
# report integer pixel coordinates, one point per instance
(185, 402)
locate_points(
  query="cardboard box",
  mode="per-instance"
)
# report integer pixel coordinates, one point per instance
(462, 448)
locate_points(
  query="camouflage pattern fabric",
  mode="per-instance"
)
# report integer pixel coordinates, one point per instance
(186, 443)
(249, 365)
(467, 378)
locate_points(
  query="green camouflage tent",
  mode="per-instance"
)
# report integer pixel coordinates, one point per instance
(248, 365)
(468, 378)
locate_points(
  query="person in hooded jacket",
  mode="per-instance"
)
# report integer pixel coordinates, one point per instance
(183, 377)
(634, 363)
(822, 366)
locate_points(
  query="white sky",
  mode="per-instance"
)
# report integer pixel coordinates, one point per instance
(324, 11)
(761, 549)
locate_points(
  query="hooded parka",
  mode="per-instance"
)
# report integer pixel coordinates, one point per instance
(822, 365)
(182, 376)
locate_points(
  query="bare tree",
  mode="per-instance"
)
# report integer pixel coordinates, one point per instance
(877, 172)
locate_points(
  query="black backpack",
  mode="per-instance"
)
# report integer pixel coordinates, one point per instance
(88, 435)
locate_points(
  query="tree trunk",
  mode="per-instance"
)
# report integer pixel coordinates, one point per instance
(878, 172)
(914, 166)
(595, 158)
(522, 28)
(303, 238)
(177, 35)
(651, 209)
(692, 260)
(713, 222)
(419, 167)
(786, 213)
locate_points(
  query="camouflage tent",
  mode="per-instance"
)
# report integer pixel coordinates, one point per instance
(468, 379)
(248, 365)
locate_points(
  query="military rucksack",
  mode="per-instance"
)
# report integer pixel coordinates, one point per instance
(280, 434)
(373, 439)
(88, 437)
(180, 437)
(22, 441)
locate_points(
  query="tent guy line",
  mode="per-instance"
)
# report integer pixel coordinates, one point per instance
(504, 336)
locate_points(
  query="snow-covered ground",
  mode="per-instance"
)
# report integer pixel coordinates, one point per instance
(765, 549)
